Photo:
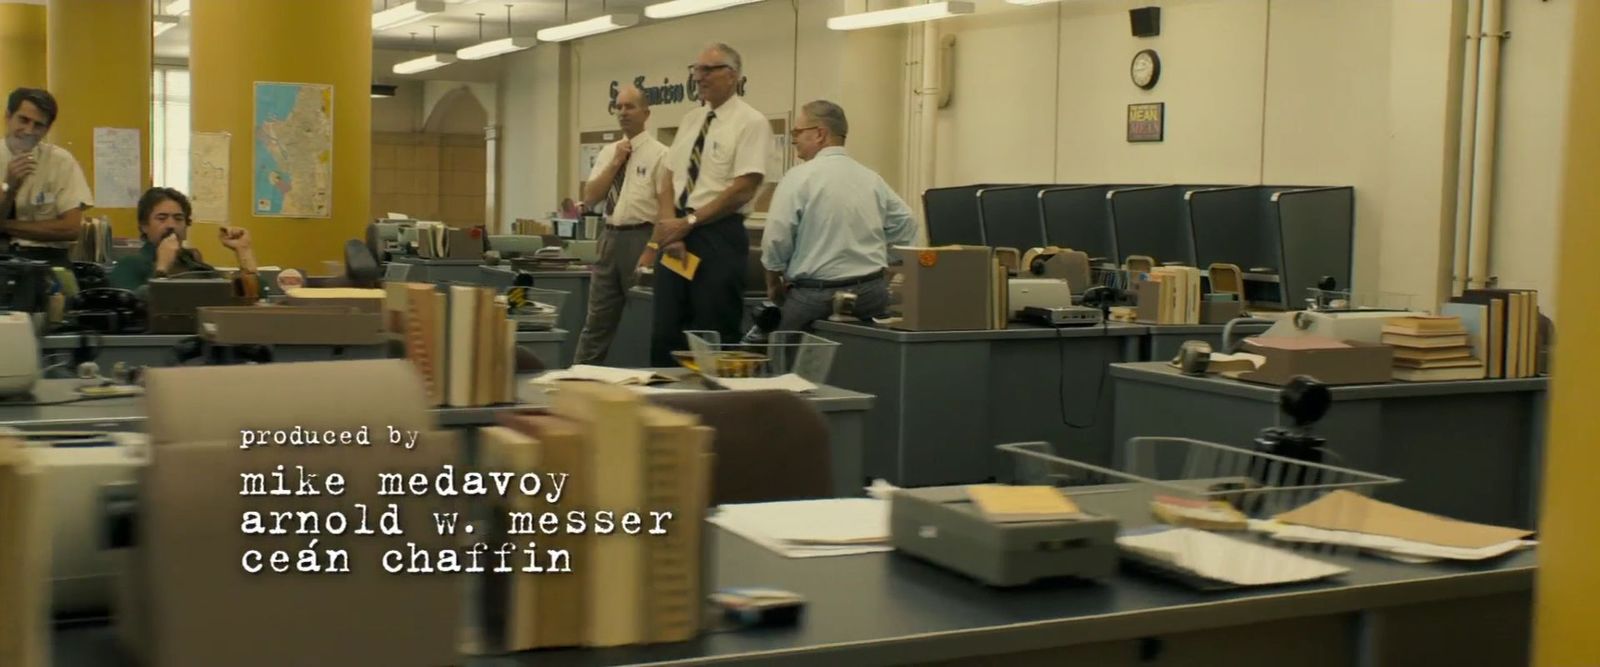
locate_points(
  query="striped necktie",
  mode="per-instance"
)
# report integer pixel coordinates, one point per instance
(614, 195)
(694, 162)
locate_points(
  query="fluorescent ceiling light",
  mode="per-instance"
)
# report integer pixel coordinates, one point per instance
(384, 90)
(912, 14)
(178, 7)
(594, 26)
(1030, 2)
(410, 12)
(162, 24)
(676, 8)
(496, 47)
(425, 63)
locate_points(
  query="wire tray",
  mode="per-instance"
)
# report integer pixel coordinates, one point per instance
(1247, 486)
(784, 352)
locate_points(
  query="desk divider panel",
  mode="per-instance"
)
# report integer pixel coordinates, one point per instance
(952, 215)
(1010, 216)
(1152, 221)
(1079, 217)
(1317, 226)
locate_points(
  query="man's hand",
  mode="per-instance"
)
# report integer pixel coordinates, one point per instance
(669, 231)
(234, 238)
(775, 293)
(167, 253)
(647, 260)
(676, 251)
(20, 168)
(624, 149)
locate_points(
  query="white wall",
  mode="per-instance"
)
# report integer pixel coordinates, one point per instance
(1534, 88)
(530, 132)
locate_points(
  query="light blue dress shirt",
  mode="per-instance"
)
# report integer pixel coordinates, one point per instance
(832, 218)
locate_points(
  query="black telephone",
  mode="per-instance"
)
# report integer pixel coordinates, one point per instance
(109, 310)
(90, 275)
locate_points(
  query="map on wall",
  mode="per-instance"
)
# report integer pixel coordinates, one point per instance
(208, 175)
(293, 164)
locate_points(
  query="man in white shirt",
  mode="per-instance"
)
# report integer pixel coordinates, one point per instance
(44, 193)
(830, 226)
(714, 169)
(622, 187)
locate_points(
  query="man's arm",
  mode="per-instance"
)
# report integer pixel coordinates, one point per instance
(898, 225)
(777, 236)
(665, 208)
(63, 228)
(605, 171)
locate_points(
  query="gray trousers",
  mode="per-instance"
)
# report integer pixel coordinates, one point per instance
(618, 252)
(804, 305)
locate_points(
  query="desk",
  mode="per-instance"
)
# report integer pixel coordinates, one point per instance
(1469, 450)
(882, 609)
(156, 349)
(844, 410)
(631, 347)
(1164, 340)
(946, 398)
(419, 270)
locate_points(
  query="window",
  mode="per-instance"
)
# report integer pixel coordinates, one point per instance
(169, 128)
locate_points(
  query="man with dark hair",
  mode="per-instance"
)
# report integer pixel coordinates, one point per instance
(43, 193)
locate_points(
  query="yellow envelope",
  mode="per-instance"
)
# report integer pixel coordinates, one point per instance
(685, 268)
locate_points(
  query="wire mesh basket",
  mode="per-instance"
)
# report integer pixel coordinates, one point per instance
(783, 353)
(1164, 483)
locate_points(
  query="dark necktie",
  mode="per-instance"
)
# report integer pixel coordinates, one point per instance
(694, 162)
(614, 195)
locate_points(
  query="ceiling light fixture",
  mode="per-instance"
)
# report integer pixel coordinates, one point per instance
(383, 90)
(497, 47)
(431, 61)
(676, 8)
(1031, 2)
(594, 26)
(410, 12)
(162, 24)
(913, 14)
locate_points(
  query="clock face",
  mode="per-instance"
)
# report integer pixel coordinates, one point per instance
(1146, 69)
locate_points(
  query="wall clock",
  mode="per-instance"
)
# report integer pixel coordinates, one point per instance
(1145, 69)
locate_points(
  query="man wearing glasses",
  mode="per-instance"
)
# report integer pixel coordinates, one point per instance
(43, 193)
(830, 226)
(713, 170)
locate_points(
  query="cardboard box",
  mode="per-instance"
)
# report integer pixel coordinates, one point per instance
(945, 288)
(362, 300)
(1352, 362)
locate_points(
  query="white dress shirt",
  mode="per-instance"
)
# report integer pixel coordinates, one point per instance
(832, 218)
(737, 144)
(637, 202)
(56, 186)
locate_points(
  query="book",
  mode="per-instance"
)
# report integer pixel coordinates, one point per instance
(560, 596)
(1473, 319)
(1473, 372)
(1007, 504)
(1452, 362)
(1424, 325)
(1402, 340)
(1198, 513)
(1418, 355)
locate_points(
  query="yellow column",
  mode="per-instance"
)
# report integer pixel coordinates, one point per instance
(22, 40)
(1568, 589)
(100, 76)
(237, 43)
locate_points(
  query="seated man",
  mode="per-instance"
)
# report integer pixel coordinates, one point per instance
(43, 192)
(164, 224)
(830, 226)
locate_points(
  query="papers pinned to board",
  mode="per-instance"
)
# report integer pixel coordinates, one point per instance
(811, 528)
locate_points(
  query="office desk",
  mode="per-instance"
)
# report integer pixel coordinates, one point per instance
(631, 347)
(883, 609)
(574, 311)
(1469, 450)
(844, 410)
(1164, 340)
(420, 270)
(946, 398)
(156, 349)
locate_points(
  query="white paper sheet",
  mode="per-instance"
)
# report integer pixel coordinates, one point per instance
(208, 175)
(811, 528)
(116, 167)
(606, 374)
(1226, 559)
(1400, 549)
(789, 382)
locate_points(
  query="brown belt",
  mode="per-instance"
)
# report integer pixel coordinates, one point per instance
(637, 225)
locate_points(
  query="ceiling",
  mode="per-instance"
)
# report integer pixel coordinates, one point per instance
(457, 28)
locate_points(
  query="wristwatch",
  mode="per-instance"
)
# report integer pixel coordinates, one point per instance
(691, 219)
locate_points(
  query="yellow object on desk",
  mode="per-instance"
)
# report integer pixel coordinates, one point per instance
(1004, 503)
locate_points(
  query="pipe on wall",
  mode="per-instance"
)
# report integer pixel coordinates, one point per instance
(929, 109)
(1467, 156)
(1484, 143)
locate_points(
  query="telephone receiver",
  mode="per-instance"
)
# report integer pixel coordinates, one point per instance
(104, 298)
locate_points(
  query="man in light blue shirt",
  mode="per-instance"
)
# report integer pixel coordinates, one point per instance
(830, 225)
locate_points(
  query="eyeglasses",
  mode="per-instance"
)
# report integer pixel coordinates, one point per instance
(796, 131)
(705, 69)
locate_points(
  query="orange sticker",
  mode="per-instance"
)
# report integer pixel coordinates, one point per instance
(928, 258)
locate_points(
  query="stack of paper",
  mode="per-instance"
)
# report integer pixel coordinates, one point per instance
(789, 382)
(811, 528)
(602, 374)
(1349, 519)
(1218, 560)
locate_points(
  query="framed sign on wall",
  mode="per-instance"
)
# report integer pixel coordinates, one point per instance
(1146, 122)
